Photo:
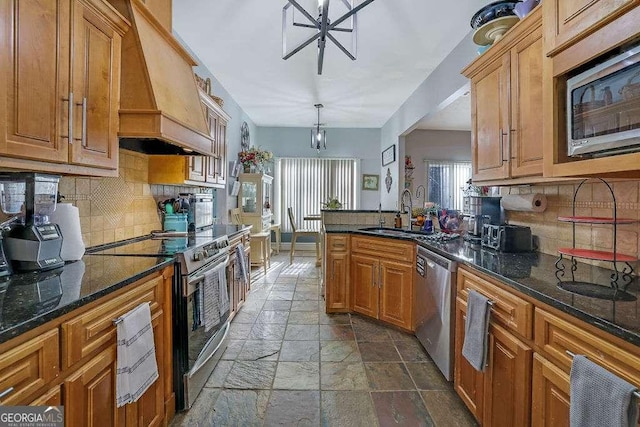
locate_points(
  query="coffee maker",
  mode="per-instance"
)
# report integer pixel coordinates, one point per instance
(477, 211)
(31, 241)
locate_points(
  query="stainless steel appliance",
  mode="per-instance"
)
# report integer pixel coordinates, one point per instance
(196, 352)
(478, 211)
(200, 213)
(32, 242)
(603, 106)
(434, 307)
(507, 238)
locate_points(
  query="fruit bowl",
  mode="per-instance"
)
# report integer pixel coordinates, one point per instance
(493, 11)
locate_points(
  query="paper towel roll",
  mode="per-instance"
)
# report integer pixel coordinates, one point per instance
(524, 202)
(67, 217)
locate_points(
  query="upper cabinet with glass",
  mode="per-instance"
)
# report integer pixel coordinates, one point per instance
(254, 200)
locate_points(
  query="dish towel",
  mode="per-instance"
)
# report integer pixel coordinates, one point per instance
(136, 352)
(242, 264)
(599, 398)
(214, 297)
(476, 330)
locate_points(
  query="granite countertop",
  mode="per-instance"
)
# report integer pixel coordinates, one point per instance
(28, 300)
(533, 274)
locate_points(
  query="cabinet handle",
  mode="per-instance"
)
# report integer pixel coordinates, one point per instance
(69, 135)
(84, 121)
(502, 134)
(380, 276)
(6, 392)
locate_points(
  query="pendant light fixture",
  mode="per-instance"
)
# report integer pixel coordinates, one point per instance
(323, 27)
(318, 137)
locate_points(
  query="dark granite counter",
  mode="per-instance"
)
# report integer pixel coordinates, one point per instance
(28, 300)
(533, 274)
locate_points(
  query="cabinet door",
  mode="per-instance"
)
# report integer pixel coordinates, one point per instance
(364, 289)
(149, 409)
(196, 168)
(550, 396)
(221, 159)
(34, 58)
(53, 397)
(231, 283)
(467, 382)
(396, 293)
(526, 106)
(490, 121)
(507, 384)
(96, 89)
(566, 21)
(336, 281)
(90, 393)
(212, 122)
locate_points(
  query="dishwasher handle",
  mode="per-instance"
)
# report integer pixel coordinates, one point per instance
(434, 258)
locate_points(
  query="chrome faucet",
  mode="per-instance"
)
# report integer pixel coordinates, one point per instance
(403, 205)
(380, 217)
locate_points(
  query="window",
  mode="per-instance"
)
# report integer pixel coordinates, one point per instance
(445, 181)
(304, 183)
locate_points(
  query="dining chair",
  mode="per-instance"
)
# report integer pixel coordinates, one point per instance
(235, 214)
(301, 232)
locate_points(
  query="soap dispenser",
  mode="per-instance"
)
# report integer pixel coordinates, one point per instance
(398, 221)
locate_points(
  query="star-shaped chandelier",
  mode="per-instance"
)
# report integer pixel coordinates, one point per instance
(324, 27)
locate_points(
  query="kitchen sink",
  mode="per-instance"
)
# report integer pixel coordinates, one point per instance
(390, 231)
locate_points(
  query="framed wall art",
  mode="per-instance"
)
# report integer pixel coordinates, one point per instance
(370, 182)
(389, 155)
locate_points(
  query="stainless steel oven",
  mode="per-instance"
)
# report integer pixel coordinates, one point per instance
(198, 347)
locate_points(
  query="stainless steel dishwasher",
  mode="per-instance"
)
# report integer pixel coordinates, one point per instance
(433, 307)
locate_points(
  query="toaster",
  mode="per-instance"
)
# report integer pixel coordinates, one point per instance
(507, 238)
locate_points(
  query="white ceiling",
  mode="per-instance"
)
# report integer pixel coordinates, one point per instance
(455, 116)
(399, 43)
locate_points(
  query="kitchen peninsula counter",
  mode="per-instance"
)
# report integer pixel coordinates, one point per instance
(533, 274)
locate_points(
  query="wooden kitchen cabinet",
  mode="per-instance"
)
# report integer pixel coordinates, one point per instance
(550, 394)
(382, 279)
(205, 171)
(336, 275)
(29, 367)
(567, 21)
(61, 109)
(238, 290)
(501, 395)
(506, 105)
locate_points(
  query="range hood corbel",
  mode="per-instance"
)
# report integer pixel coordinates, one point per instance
(160, 108)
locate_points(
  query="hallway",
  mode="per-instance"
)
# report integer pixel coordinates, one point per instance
(289, 363)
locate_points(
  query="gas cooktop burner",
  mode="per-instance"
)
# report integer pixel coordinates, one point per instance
(438, 237)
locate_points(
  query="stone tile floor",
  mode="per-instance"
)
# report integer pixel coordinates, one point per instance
(289, 363)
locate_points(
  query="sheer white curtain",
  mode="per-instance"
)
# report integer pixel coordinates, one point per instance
(304, 183)
(445, 180)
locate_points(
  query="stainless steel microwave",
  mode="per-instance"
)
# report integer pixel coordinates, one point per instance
(603, 107)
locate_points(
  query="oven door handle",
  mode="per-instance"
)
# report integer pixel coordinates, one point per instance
(200, 276)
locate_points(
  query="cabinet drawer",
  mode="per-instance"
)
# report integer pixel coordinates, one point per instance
(554, 336)
(388, 248)
(29, 367)
(89, 332)
(338, 243)
(508, 309)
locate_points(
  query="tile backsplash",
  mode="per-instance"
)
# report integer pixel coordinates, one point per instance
(118, 208)
(593, 199)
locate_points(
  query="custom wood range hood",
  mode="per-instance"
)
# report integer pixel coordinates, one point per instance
(160, 109)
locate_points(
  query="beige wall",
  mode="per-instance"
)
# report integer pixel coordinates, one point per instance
(593, 199)
(119, 208)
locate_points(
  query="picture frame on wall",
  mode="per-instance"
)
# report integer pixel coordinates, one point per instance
(235, 189)
(235, 169)
(370, 182)
(389, 155)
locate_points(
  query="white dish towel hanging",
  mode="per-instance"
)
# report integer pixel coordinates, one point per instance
(136, 353)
